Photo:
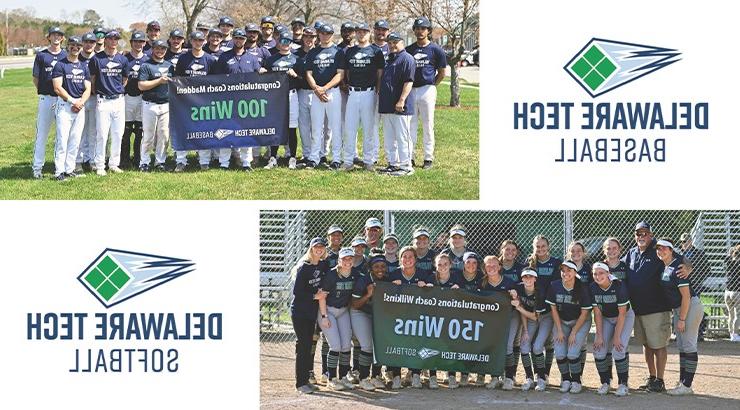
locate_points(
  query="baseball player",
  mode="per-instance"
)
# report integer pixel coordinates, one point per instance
(226, 25)
(109, 73)
(529, 302)
(154, 75)
(305, 93)
(296, 27)
(43, 66)
(570, 305)
(614, 321)
(86, 151)
(284, 61)
(456, 248)
(511, 269)
(424, 254)
(255, 48)
(100, 37)
(396, 105)
(431, 62)
(267, 27)
(324, 72)
(195, 63)
(71, 82)
(174, 52)
(380, 37)
(237, 60)
(334, 318)
(325, 147)
(364, 69)
(612, 249)
(214, 42)
(153, 31)
(203, 28)
(132, 98)
(347, 34)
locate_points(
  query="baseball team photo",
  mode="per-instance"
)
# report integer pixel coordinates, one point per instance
(468, 309)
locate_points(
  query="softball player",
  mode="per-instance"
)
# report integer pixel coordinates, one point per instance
(153, 77)
(407, 275)
(324, 72)
(511, 269)
(442, 277)
(305, 93)
(530, 301)
(359, 245)
(364, 68)
(612, 249)
(494, 281)
(362, 320)
(431, 62)
(570, 305)
(304, 308)
(456, 248)
(43, 66)
(390, 247)
(334, 318)
(71, 82)
(373, 232)
(469, 279)
(688, 313)
(86, 151)
(576, 253)
(109, 73)
(132, 100)
(614, 322)
(424, 254)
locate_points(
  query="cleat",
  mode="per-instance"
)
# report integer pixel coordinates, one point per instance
(378, 382)
(357, 161)
(396, 383)
(78, 168)
(324, 379)
(336, 384)
(353, 376)
(541, 385)
(313, 386)
(402, 173)
(427, 164)
(656, 386)
(527, 384)
(101, 172)
(369, 167)
(305, 389)
(680, 390)
(271, 163)
(646, 385)
(310, 165)
(565, 386)
(575, 387)
(60, 177)
(204, 167)
(115, 170)
(311, 377)
(347, 167)
(180, 168)
(334, 165)
(75, 175)
(416, 381)
(347, 383)
(143, 168)
(292, 163)
(37, 175)
(160, 168)
(622, 390)
(464, 380)
(367, 384)
(508, 384)
(452, 382)
(495, 382)
(603, 390)
(247, 169)
(433, 383)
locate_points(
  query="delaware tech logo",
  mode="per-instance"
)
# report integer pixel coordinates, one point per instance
(116, 275)
(603, 65)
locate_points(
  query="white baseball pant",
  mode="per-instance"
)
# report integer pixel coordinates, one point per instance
(345, 99)
(133, 108)
(45, 116)
(69, 131)
(397, 128)
(360, 111)
(332, 112)
(304, 120)
(156, 132)
(110, 119)
(86, 151)
(425, 97)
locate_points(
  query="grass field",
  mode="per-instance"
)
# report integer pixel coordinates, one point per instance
(454, 176)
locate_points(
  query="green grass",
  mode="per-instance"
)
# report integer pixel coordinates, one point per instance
(454, 176)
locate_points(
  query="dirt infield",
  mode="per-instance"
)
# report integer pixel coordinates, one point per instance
(717, 386)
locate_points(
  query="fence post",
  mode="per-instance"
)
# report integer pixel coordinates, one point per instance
(388, 224)
(568, 231)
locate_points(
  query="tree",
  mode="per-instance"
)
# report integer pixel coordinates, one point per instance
(91, 18)
(455, 16)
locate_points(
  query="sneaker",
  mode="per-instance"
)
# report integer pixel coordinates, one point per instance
(324, 379)
(101, 172)
(78, 168)
(648, 381)
(427, 164)
(452, 382)
(541, 385)
(575, 387)
(353, 376)
(680, 390)
(388, 376)
(603, 390)
(37, 175)
(347, 167)
(322, 161)
(396, 383)
(143, 168)
(60, 177)
(495, 382)
(74, 174)
(527, 384)
(347, 383)
(657, 386)
(115, 170)
(305, 389)
(480, 379)
(508, 384)
(272, 163)
(336, 384)
(416, 381)
(334, 165)
(180, 168)
(406, 379)
(292, 163)
(204, 167)
(735, 337)
(88, 166)
(247, 169)
(622, 390)
(378, 382)
(464, 380)
(160, 168)
(369, 167)
(367, 384)
(389, 168)
(313, 386)
(402, 173)
(311, 377)
(310, 165)
(433, 383)
(357, 161)
(565, 386)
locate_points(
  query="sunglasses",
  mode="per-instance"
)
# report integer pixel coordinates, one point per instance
(641, 234)
(285, 41)
(100, 35)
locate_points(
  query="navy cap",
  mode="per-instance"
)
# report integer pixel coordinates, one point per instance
(55, 29)
(309, 31)
(201, 25)
(89, 36)
(113, 34)
(643, 225)
(317, 241)
(226, 20)
(281, 28)
(177, 33)
(422, 22)
(326, 29)
(153, 24)
(74, 40)
(346, 252)
(215, 31)
(267, 20)
(159, 43)
(377, 258)
(251, 27)
(394, 37)
(348, 26)
(298, 20)
(286, 35)
(99, 30)
(197, 35)
(138, 36)
(239, 33)
(317, 24)
(382, 24)
(362, 26)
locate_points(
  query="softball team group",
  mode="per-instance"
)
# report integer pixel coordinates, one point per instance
(644, 289)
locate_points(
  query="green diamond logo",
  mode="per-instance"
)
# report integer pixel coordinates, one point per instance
(593, 67)
(107, 278)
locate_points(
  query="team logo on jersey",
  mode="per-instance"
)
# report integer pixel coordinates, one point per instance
(163, 70)
(117, 275)
(283, 63)
(419, 56)
(135, 67)
(360, 55)
(112, 64)
(324, 56)
(76, 71)
(196, 67)
(221, 133)
(426, 353)
(603, 65)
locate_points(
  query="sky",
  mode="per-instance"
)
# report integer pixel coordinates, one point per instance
(117, 11)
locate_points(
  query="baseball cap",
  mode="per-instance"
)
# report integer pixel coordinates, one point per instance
(348, 26)
(358, 241)
(373, 223)
(280, 28)
(177, 33)
(569, 264)
(99, 30)
(55, 29)
(362, 26)
(215, 31)
(600, 265)
(334, 228)
(154, 24)
(664, 242)
(74, 40)
(422, 22)
(239, 33)
(138, 36)
(394, 37)
(381, 24)
(685, 237)
(529, 272)
(457, 231)
(298, 20)
(326, 29)
(286, 35)
(251, 27)
(317, 24)
(201, 25)
(267, 20)
(643, 225)
(89, 36)
(377, 258)
(345, 252)
(113, 34)
(317, 241)
(390, 236)
(309, 31)
(421, 232)
(197, 35)
(226, 20)
(470, 255)
(159, 43)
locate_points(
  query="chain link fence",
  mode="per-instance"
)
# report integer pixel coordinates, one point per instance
(284, 237)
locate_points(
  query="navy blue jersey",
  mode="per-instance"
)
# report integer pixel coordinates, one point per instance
(397, 263)
(283, 63)
(307, 283)
(109, 72)
(192, 66)
(268, 44)
(216, 53)
(134, 64)
(332, 257)
(547, 272)
(230, 63)
(450, 282)
(385, 49)
(466, 284)
(529, 302)
(174, 57)
(619, 271)
(361, 267)
(151, 70)
(73, 76)
(399, 70)
(513, 273)
(585, 274)
(504, 286)
(43, 65)
(273, 50)
(425, 263)
(429, 59)
(323, 63)
(261, 53)
(339, 288)
(643, 281)
(343, 45)
(300, 68)
(608, 300)
(568, 304)
(362, 65)
(397, 274)
(457, 263)
(360, 290)
(671, 283)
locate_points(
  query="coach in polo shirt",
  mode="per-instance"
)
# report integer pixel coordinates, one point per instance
(652, 312)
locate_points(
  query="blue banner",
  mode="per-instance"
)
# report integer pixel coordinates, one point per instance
(224, 111)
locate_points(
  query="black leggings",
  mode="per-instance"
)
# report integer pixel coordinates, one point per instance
(304, 329)
(292, 144)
